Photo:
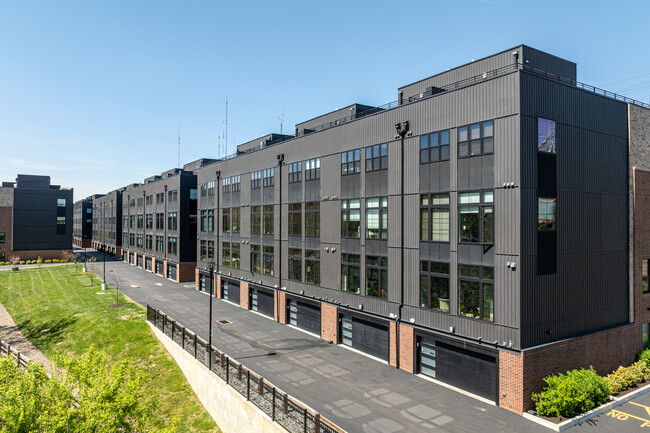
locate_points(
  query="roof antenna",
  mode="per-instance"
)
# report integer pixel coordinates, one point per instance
(281, 119)
(179, 145)
(226, 149)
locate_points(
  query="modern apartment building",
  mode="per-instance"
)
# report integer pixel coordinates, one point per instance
(35, 218)
(486, 229)
(107, 222)
(82, 231)
(159, 220)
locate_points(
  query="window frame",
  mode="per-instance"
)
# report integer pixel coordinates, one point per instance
(295, 172)
(382, 216)
(312, 219)
(430, 207)
(346, 211)
(294, 263)
(480, 141)
(427, 271)
(312, 169)
(351, 162)
(485, 207)
(376, 157)
(312, 259)
(382, 272)
(482, 280)
(435, 144)
(294, 215)
(347, 265)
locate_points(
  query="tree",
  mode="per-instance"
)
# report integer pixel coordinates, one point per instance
(82, 394)
(90, 264)
(70, 257)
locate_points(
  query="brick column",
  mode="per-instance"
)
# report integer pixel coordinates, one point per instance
(165, 268)
(280, 302)
(329, 322)
(196, 279)
(144, 261)
(511, 381)
(153, 265)
(216, 290)
(244, 295)
(392, 344)
(406, 348)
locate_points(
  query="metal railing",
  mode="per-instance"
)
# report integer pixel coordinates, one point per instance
(6, 349)
(290, 413)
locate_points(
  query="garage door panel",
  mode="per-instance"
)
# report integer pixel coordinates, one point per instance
(230, 291)
(309, 318)
(263, 302)
(369, 337)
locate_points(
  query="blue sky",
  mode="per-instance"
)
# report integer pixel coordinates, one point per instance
(92, 93)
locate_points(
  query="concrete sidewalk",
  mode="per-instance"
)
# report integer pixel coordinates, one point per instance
(354, 391)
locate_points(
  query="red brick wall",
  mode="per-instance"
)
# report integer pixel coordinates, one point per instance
(164, 268)
(280, 306)
(196, 279)
(216, 290)
(641, 179)
(329, 322)
(144, 261)
(511, 379)
(185, 272)
(244, 295)
(406, 348)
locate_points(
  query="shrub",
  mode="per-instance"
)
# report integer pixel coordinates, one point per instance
(39, 261)
(14, 259)
(644, 356)
(570, 394)
(22, 262)
(55, 260)
(48, 261)
(625, 377)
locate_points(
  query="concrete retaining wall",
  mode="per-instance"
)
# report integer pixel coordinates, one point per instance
(230, 410)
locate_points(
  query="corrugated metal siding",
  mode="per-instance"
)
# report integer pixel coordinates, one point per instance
(546, 62)
(411, 277)
(395, 221)
(394, 274)
(507, 204)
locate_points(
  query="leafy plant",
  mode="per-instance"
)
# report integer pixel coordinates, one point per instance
(14, 259)
(625, 377)
(572, 393)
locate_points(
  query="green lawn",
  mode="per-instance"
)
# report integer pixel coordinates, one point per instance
(58, 312)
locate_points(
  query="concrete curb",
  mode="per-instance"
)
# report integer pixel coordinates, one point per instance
(617, 401)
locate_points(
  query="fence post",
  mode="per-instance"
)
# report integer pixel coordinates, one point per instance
(227, 370)
(18, 359)
(183, 335)
(194, 346)
(248, 384)
(317, 423)
(260, 386)
(285, 403)
(273, 411)
(239, 371)
(173, 326)
(304, 416)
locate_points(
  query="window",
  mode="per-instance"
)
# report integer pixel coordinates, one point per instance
(210, 250)
(149, 242)
(545, 213)
(160, 197)
(60, 225)
(132, 239)
(434, 147)
(377, 218)
(131, 221)
(209, 188)
(236, 183)
(159, 244)
(434, 217)
(148, 200)
(295, 264)
(234, 257)
(312, 169)
(350, 272)
(644, 273)
(2, 237)
(476, 292)
(204, 250)
(377, 277)
(476, 217)
(377, 157)
(645, 339)
(295, 219)
(434, 286)
(139, 244)
(172, 195)
(295, 172)
(267, 216)
(172, 221)
(476, 139)
(210, 220)
(204, 189)
(160, 221)
(172, 245)
(140, 221)
(256, 179)
(60, 202)
(351, 218)
(225, 253)
(226, 184)
(234, 222)
(149, 223)
(225, 220)
(351, 162)
(204, 220)
(312, 219)
(545, 135)
(256, 259)
(256, 216)
(267, 260)
(312, 267)
(125, 222)
(140, 201)
(269, 177)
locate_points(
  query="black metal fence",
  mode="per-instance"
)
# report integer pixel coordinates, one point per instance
(6, 349)
(282, 408)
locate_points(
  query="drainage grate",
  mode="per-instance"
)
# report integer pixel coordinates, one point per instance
(223, 322)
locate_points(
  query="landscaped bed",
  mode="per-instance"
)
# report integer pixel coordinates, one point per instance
(61, 313)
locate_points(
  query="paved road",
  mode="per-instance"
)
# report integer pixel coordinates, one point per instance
(357, 393)
(633, 416)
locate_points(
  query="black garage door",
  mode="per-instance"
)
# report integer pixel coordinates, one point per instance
(262, 302)
(368, 337)
(230, 291)
(159, 267)
(139, 261)
(304, 316)
(472, 371)
(147, 263)
(171, 272)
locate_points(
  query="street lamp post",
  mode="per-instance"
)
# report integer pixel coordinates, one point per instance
(209, 349)
(104, 282)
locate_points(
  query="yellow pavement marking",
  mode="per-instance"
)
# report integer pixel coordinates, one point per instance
(647, 408)
(622, 416)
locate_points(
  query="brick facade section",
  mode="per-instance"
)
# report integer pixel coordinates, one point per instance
(280, 307)
(196, 279)
(392, 344)
(216, 289)
(406, 348)
(641, 180)
(244, 295)
(144, 262)
(511, 379)
(329, 322)
(185, 272)
(164, 268)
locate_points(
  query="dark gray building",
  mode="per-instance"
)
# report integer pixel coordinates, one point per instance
(35, 218)
(478, 230)
(82, 231)
(159, 224)
(107, 222)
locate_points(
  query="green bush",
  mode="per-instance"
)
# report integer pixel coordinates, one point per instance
(625, 377)
(644, 356)
(48, 261)
(570, 394)
(39, 261)
(22, 262)
(55, 260)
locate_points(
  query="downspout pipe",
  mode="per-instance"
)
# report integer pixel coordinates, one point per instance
(402, 129)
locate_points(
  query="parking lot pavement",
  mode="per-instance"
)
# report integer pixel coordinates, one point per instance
(633, 416)
(358, 393)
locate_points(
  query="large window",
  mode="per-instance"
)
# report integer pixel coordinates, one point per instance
(312, 169)
(160, 197)
(148, 242)
(236, 183)
(545, 135)
(434, 217)
(269, 177)
(211, 220)
(204, 250)
(295, 219)
(434, 286)
(225, 253)
(256, 259)
(210, 250)
(312, 219)
(172, 221)
(377, 218)
(351, 162)
(267, 260)
(149, 222)
(476, 292)
(235, 220)
(60, 202)
(160, 221)
(226, 184)
(226, 220)
(295, 172)
(476, 139)
(476, 217)
(256, 216)
(172, 195)
(160, 244)
(172, 245)
(140, 240)
(235, 255)
(546, 213)
(434, 147)
(351, 218)
(377, 157)
(295, 264)
(256, 179)
(377, 277)
(267, 216)
(312, 267)
(204, 220)
(140, 221)
(350, 272)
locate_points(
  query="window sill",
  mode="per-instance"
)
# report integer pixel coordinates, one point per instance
(471, 156)
(476, 243)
